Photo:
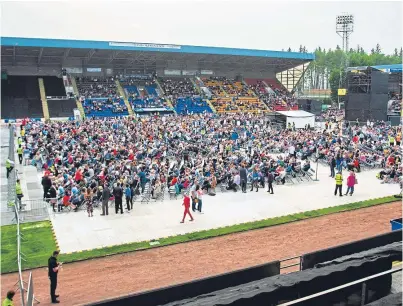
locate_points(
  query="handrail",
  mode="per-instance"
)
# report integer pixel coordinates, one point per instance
(362, 280)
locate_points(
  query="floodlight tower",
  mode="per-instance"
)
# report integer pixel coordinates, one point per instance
(344, 28)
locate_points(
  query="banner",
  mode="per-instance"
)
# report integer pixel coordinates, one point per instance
(74, 70)
(189, 72)
(341, 91)
(206, 72)
(137, 45)
(139, 76)
(153, 109)
(94, 70)
(172, 72)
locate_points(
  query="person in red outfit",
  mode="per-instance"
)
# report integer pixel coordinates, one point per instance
(186, 203)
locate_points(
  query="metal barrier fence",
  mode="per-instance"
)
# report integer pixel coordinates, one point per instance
(363, 282)
(17, 215)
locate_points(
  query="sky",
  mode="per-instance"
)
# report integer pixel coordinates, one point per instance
(249, 24)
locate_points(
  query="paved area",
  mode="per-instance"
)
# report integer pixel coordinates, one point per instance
(75, 231)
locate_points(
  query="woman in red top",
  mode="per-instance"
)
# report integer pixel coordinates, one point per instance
(78, 176)
(186, 203)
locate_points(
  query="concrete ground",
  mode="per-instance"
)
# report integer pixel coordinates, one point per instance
(75, 231)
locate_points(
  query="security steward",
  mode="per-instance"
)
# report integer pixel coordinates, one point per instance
(53, 270)
(9, 166)
(18, 191)
(19, 152)
(339, 183)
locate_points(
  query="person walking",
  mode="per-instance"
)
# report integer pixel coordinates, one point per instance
(244, 178)
(118, 194)
(53, 270)
(255, 180)
(128, 196)
(18, 191)
(19, 152)
(199, 192)
(9, 166)
(186, 204)
(46, 183)
(106, 194)
(270, 179)
(339, 183)
(351, 181)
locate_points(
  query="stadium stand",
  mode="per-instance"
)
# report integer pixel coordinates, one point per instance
(54, 86)
(184, 96)
(99, 97)
(20, 97)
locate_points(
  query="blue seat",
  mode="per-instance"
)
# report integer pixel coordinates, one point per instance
(193, 105)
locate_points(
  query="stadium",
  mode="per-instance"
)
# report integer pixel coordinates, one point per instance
(169, 174)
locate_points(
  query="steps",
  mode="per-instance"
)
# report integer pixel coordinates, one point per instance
(211, 106)
(77, 95)
(45, 106)
(169, 102)
(122, 94)
(195, 86)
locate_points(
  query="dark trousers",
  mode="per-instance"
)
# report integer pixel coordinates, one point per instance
(118, 205)
(332, 171)
(143, 186)
(338, 187)
(243, 185)
(255, 183)
(45, 191)
(270, 187)
(199, 205)
(105, 208)
(53, 286)
(128, 202)
(9, 171)
(20, 158)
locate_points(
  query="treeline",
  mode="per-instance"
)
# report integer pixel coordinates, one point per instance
(324, 72)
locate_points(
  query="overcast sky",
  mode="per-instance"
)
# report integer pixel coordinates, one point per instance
(246, 24)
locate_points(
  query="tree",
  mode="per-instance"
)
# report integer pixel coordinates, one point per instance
(378, 49)
(358, 48)
(334, 80)
(362, 51)
(372, 51)
(352, 50)
(301, 49)
(396, 52)
(289, 49)
(338, 47)
(401, 52)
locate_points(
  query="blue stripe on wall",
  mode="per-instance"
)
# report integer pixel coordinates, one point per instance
(82, 44)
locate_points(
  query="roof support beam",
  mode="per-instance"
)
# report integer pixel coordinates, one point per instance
(112, 57)
(66, 53)
(89, 56)
(40, 56)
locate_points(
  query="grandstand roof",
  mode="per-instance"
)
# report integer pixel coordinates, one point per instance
(63, 52)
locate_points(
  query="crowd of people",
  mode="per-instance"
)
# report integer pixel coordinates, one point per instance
(88, 163)
(96, 87)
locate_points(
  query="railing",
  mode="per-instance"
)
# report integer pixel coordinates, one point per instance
(362, 281)
(59, 97)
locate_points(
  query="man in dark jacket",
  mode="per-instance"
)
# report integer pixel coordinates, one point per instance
(270, 179)
(46, 183)
(244, 178)
(106, 194)
(118, 194)
(332, 166)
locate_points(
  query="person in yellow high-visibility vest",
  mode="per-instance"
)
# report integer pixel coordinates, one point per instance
(18, 191)
(391, 140)
(19, 152)
(9, 166)
(339, 183)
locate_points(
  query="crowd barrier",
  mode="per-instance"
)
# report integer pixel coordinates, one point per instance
(309, 260)
(197, 287)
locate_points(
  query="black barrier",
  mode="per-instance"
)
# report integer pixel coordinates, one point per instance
(288, 287)
(389, 300)
(196, 287)
(311, 259)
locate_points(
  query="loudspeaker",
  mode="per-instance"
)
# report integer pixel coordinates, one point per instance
(379, 82)
(357, 101)
(379, 101)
